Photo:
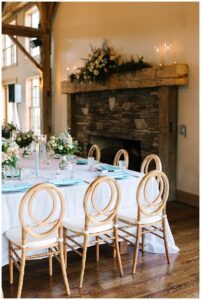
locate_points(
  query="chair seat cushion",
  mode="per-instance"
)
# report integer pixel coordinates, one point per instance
(129, 214)
(15, 236)
(77, 224)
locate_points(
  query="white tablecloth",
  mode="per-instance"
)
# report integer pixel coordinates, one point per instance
(73, 196)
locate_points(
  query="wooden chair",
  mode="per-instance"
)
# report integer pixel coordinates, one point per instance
(98, 224)
(146, 163)
(96, 149)
(150, 214)
(124, 153)
(41, 234)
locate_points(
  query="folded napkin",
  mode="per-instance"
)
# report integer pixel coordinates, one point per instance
(70, 181)
(116, 174)
(109, 168)
(82, 161)
(11, 188)
(16, 173)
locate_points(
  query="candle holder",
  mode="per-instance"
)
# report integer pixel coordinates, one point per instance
(163, 54)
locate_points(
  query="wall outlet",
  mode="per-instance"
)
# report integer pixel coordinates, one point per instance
(182, 130)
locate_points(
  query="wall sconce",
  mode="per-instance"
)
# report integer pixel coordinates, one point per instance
(112, 102)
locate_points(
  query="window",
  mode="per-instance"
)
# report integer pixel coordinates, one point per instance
(35, 105)
(32, 19)
(9, 50)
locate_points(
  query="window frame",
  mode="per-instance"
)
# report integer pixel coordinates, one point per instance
(12, 46)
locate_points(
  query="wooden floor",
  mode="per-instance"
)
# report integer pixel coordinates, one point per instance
(154, 278)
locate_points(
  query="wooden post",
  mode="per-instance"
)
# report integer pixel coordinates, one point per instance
(46, 81)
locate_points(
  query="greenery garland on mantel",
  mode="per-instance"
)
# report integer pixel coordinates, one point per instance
(102, 62)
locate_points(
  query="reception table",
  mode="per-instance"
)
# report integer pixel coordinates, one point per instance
(73, 196)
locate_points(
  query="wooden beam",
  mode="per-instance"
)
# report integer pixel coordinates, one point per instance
(47, 95)
(11, 9)
(22, 31)
(19, 45)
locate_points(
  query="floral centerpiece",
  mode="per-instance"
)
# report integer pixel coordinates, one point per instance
(9, 155)
(103, 62)
(63, 144)
(24, 140)
(7, 129)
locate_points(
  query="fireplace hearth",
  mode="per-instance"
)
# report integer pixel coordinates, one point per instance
(110, 146)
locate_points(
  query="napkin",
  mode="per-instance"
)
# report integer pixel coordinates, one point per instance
(117, 174)
(109, 168)
(11, 188)
(82, 161)
(64, 182)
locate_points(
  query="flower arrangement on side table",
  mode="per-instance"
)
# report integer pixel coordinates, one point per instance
(103, 62)
(7, 129)
(64, 145)
(24, 140)
(9, 155)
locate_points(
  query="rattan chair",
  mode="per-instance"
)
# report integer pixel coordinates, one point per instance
(96, 149)
(146, 163)
(150, 214)
(124, 153)
(41, 234)
(100, 224)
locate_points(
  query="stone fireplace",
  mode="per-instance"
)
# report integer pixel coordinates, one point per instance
(136, 111)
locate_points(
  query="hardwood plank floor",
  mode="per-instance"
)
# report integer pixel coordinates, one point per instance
(154, 278)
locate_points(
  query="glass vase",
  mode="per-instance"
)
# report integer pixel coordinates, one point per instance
(26, 152)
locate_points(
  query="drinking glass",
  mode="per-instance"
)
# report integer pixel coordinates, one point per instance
(91, 161)
(122, 164)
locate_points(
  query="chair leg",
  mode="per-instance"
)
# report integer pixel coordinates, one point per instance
(84, 254)
(65, 246)
(63, 269)
(21, 278)
(10, 263)
(117, 250)
(97, 249)
(165, 241)
(143, 239)
(136, 249)
(50, 262)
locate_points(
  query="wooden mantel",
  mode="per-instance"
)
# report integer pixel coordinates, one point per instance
(175, 74)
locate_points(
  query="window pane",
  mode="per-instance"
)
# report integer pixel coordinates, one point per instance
(35, 19)
(8, 56)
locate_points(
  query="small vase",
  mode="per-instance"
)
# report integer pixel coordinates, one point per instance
(26, 152)
(63, 163)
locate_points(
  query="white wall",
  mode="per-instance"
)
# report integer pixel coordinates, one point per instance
(135, 28)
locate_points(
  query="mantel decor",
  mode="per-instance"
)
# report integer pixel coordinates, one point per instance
(102, 62)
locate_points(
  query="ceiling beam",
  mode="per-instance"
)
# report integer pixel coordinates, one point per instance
(11, 9)
(22, 31)
(19, 45)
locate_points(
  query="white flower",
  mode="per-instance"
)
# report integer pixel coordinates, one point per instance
(19, 139)
(96, 72)
(60, 147)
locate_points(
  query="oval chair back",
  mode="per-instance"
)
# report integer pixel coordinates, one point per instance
(146, 163)
(124, 153)
(95, 148)
(41, 228)
(107, 213)
(149, 204)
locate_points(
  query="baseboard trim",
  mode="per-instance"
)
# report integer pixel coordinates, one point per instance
(187, 198)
